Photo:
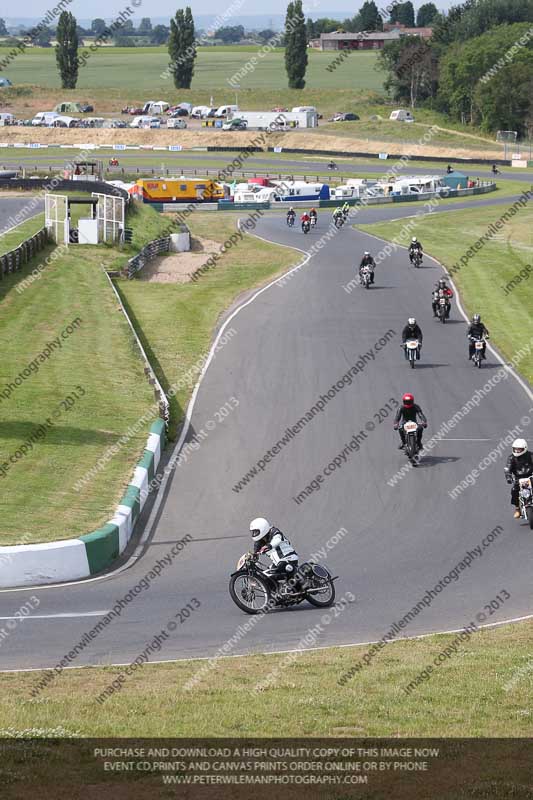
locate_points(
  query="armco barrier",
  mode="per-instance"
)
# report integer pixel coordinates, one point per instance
(91, 553)
(147, 254)
(363, 154)
(15, 259)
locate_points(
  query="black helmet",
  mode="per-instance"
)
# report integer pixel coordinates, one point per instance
(442, 283)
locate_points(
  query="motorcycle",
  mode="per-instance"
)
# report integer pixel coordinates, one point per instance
(410, 430)
(442, 307)
(365, 277)
(479, 346)
(313, 222)
(332, 165)
(113, 162)
(254, 592)
(525, 499)
(412, 350)
(290, 220)
(416, 258)
(339, 221)
(495, 170)
(306, 226)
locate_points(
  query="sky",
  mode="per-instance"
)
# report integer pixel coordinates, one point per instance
(36, 9)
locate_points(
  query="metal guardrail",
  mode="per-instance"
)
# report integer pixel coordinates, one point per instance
(147, 254)
(15, 259)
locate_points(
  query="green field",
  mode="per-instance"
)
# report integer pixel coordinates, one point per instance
(482, 690)
(119, 68)
(483, 279)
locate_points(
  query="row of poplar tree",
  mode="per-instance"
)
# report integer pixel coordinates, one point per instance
(182, 45)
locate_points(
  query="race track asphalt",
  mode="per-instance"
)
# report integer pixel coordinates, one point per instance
(291, 344)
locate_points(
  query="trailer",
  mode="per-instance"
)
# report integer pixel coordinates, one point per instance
(276, 120)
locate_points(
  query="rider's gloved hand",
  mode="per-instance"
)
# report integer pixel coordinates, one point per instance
(424, 424)
(509, 480)
(395, 426)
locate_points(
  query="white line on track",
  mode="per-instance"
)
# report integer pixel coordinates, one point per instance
(66, 615)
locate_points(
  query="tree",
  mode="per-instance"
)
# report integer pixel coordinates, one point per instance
(145, 27)
(412, 69)
(159, 34)
(44, 37)
(403, 13)
(230, 33)
(267, 34)
(67, 50)
(295, 45)
(98, 26)
(3, 30)
(369, 18)
(505, 102)
(426, 14)
(182, 48)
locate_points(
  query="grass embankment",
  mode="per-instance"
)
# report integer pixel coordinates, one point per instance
(176, 321)
(39, 502)
(481, 690)
(482, 281)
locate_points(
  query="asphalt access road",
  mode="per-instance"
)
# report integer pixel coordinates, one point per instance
(291, 344)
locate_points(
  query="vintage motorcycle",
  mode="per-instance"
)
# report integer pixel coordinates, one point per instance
(417, 258)
(412, 349)
(442, 306)
(411, 441)
(366, 276)
(255, 592)
(525, 499)
(306, 226)
(479, 346)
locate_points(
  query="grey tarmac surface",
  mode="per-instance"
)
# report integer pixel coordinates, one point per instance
(11, 206)
(293, 342)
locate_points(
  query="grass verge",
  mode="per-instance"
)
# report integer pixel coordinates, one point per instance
(484, 280)
(43, 363)
(11, 239)
(480, 690)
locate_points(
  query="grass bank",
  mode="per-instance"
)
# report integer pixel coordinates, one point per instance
(63, 337)
(484, 280)
(482, 689)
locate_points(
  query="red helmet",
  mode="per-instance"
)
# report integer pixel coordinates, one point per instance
(408, 400)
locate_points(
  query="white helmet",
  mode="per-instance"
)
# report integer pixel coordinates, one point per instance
(519, 447)
(366, 253)
(411, 322)
(259, 528)
(413, 239)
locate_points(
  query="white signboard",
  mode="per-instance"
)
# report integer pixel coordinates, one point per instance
(278, 149)
(175, 147)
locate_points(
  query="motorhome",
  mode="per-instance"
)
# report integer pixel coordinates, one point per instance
(199, 111)
(254, 193)
(290, 191)
(355, 187)
(420, 184)
(145, 121)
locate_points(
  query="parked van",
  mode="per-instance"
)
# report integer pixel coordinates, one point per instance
(401, 115)
(44, 117)
(199, 111)
(226, 111)
(176, 122)
(7, 119)
(145, 121)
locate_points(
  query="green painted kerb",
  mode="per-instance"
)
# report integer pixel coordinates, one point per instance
(102, 547)
(148, 462)
(132, 498)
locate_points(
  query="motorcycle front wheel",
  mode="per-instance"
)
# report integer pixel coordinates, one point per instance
(410, 447)
(529, 514)
(250, 593)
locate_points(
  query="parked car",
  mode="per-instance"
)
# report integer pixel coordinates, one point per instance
(235, 125)
(348, 117)
(86, 108)
(177, 112)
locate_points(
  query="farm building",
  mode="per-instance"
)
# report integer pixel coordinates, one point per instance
(367, 41)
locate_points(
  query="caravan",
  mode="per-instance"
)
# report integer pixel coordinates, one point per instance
(420, 185)
(401, 115)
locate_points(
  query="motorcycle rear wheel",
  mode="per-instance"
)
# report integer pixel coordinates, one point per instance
(243, 589)
(326, 599)
(529, 514)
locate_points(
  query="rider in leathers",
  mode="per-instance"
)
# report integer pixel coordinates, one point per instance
(519, 465)
(409, 411)
(476, 330)
(270, 541)
(447, 292)
(415, 245)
